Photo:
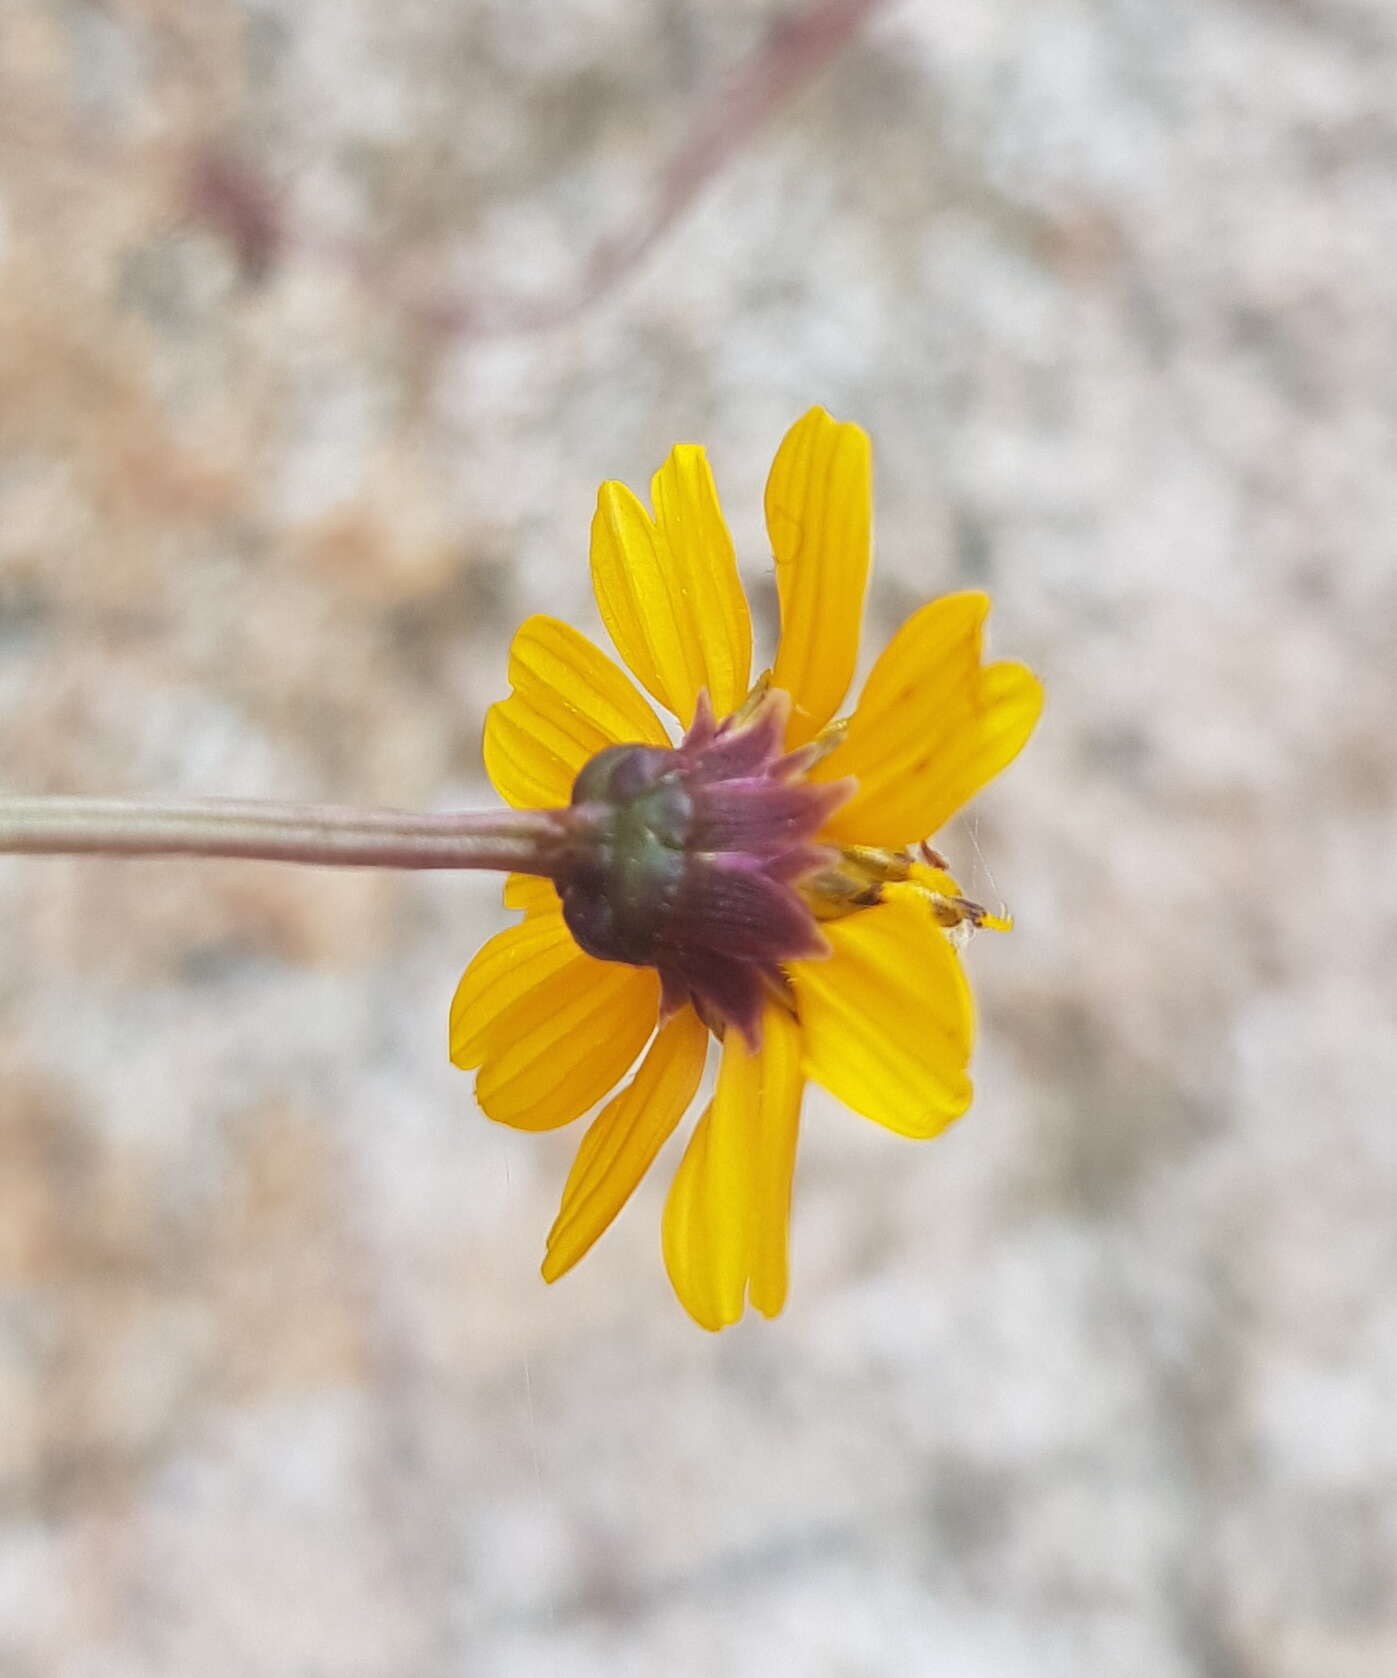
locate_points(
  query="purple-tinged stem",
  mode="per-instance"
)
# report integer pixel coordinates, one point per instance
(528, 841)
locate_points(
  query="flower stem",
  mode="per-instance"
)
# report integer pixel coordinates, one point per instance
(529, 841)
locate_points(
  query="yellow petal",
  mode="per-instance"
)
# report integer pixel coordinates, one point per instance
(569, 702)
(773, 1161)
(726, 1218)
(819, 505)
(932, 726)
(505, 970)
(530, 893)
(570, 1042)
(623, 1140)
(668, 588)
(551, 1029)
(886, 1021)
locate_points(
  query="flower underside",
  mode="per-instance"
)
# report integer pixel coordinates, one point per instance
(766, 881)
(702, 862)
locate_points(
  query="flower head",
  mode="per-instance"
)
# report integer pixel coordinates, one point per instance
(694, 859)
(765, 880)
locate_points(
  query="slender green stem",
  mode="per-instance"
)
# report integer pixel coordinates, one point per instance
(530, 841)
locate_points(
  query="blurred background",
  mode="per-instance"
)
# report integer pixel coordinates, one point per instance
(320, 322)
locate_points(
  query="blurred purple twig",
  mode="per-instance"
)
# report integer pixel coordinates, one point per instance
(229, 194)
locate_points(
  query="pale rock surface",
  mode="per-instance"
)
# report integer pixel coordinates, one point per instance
(1104, 1381)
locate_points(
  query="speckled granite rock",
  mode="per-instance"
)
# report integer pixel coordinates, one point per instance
(1102, 1382)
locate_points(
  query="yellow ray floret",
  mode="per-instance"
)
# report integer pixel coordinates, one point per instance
(668, 588)
(726, 1219)
(551, 1029)
(932, 726)
(622, 1142)
(529, 893)
(887, 1021)
(819, 510)
(569, 702)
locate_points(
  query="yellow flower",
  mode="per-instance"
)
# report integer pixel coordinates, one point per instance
(875, 1007)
